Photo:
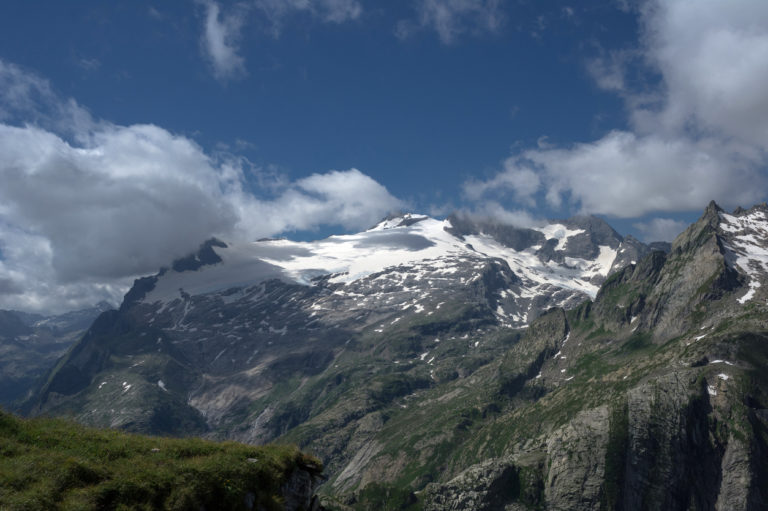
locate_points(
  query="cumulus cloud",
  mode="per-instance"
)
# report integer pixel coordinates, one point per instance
(452, 18)
(109, 209)
(700, 134)
(220, 40)
(627, 175)
(81, 217)
(661, 229)
(713, 56)
(521, 181)
(347, 198)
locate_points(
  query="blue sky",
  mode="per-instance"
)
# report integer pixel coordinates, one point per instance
(131, 131)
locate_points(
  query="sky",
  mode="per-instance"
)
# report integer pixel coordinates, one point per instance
(132, 131)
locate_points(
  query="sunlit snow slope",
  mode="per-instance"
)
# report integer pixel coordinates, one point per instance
(415, 257)
(745, 236)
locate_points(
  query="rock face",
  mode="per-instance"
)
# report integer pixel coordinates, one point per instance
(460, 364)
(299, 491)
(491, 485)
(576, 460)
(671, 347)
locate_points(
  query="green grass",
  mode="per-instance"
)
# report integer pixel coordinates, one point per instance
(385, 497)
(637, 342)
(54, 464)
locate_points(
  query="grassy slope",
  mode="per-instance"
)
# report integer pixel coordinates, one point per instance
(57, 465)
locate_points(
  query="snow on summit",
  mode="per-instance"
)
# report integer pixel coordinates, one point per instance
(747, 248)
(407, 247)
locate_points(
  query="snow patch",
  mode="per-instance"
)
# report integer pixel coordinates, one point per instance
(753, 285)
(559, 232)
(748, 248)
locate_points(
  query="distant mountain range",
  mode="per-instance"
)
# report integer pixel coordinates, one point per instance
(30, 344)
(458, 364)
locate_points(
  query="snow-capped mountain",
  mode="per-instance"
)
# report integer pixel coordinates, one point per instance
(236, 319)
(404, 354)
(407, 262)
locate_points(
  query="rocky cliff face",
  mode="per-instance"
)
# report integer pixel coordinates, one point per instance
(666, 389)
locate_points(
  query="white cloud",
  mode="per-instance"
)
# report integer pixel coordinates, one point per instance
(492, 210)
(334, 11)
(627, 175)
(452, 18)
(701, 134)
(348, 198)
(713, 55)
(610, 67)
(109, 209)
(222, 30)
(661, 229)
(521, 181)
(339, 11)
(220, 40)
(27, 98)
(79, 220)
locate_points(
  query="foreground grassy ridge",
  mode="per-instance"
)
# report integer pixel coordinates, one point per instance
(58, 465)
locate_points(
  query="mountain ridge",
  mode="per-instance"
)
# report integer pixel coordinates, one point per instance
(30, 344)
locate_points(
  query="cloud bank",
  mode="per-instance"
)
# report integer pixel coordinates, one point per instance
(700, 134)
(83, 212)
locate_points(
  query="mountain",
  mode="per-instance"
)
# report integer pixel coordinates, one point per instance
(220, 341)
(30, 345)
(652, 396)
(458, 364)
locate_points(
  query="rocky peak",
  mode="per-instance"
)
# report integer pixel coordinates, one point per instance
(205, 255)
(720, 259)
(597, 229)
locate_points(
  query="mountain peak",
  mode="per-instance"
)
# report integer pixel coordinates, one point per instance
(400, 219)
(711, 215)
(205, 255)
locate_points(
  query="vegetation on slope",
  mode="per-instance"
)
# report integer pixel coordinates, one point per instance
(58, 465)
